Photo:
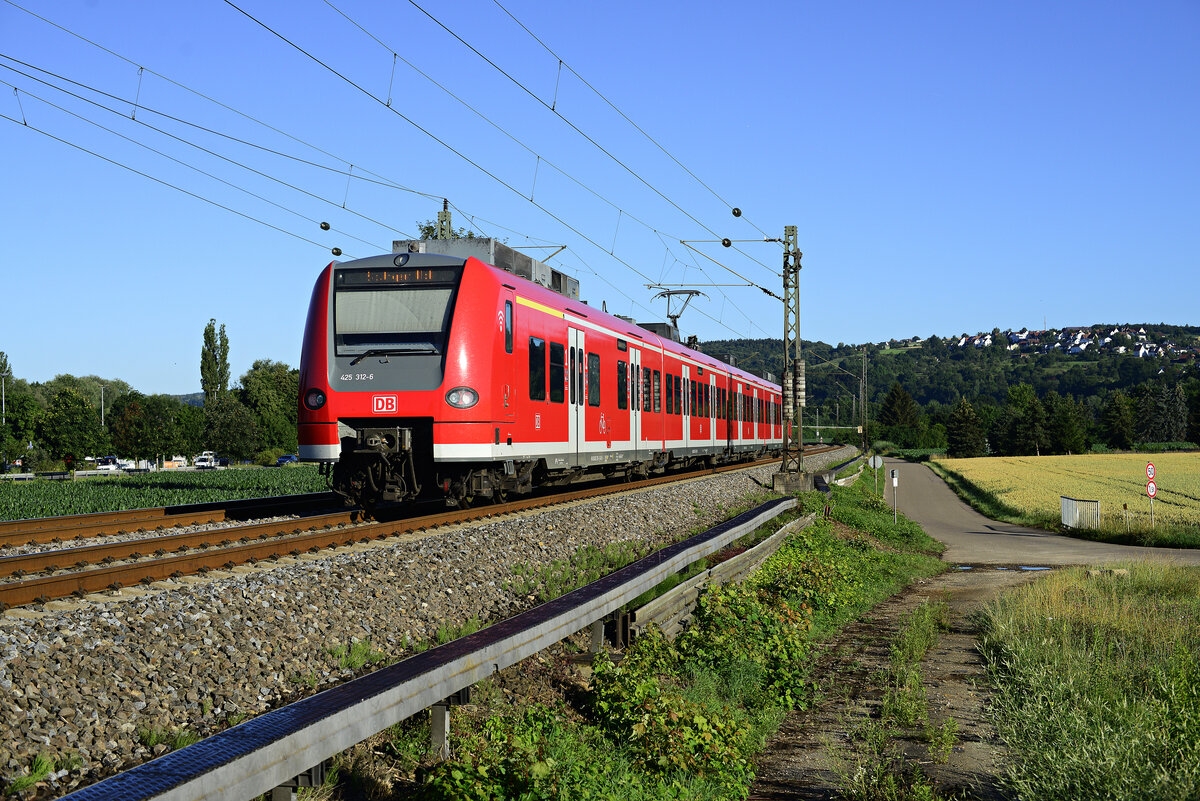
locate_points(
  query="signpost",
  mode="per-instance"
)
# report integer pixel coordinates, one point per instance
(896, 484)
(876, 462)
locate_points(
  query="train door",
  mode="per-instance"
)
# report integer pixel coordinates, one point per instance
(576, 400)
(686, 406)
(635, 400)
(507, 370)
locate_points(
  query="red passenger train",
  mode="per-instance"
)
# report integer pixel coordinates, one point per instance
(432, 375)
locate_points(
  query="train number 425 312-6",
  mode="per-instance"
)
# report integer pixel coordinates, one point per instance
(358, 376)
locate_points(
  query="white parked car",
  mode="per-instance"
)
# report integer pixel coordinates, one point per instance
(208, 459)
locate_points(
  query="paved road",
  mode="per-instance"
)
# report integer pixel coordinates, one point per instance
(974, 539)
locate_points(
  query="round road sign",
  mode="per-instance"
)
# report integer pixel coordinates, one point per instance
(875, 461)
(1150, 470)
(1151, 488)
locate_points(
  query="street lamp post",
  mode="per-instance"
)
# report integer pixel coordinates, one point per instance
(4, 418)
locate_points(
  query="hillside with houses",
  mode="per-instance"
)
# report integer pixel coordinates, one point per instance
(1137, 341)
(1089, 364)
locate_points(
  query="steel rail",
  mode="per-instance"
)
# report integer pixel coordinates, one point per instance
(79, 531)
(40, 530)
(252, 758)
(41, 589)
(63, 558)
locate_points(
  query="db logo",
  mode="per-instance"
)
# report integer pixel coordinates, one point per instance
(383, 404)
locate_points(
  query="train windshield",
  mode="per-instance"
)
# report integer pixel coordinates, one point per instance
(392, 318)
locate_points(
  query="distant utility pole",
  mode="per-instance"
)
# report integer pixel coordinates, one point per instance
(444, 229)
(863, 402)
(791, 471)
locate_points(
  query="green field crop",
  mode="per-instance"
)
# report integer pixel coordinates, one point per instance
(41, 498)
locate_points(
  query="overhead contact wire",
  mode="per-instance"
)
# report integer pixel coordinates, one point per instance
(164, 183)
(574, 127)
(623, 115)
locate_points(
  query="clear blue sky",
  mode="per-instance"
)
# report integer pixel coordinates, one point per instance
(951, 167)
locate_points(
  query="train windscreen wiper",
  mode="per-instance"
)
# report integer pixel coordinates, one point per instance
(423, 348)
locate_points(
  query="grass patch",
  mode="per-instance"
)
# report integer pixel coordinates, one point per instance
(356, 655)
(880, 772)
(1098, 683)
(172, 738)
(40, 769)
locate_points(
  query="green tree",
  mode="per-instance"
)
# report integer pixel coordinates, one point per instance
(1023, 423)
(966, 432)
(1193, 429)
(899, 408)
(144, 427)
(229, 427)
(1162, 412)
(214, 362)
(189, 428)
(428, 230)
(71, 428)
(900, 417)
(1066, 424)
(1117, 421)
(270, 390)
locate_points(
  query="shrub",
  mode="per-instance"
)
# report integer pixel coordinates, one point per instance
(663, 729)
(735, 624)
(268, 457)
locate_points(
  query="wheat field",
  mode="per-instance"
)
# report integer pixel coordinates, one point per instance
(1032, 485)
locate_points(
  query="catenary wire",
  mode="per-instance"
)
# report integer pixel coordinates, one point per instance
(443, 143)
(202, 149)
(294, 138)
(623, 115)
(243, 215)
(131, 62)
(573, 126)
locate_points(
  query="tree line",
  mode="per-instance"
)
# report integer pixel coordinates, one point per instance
(56, 424)
(971, 401)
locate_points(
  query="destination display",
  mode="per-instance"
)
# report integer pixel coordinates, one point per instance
(395, 276)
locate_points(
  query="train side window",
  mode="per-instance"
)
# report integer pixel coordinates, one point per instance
(678, 396)
(572, 376)
(657, 391)
(537, 369)
(670, 396)
(647, 404)
(508, 326)
(579, 380)
(622, 384)
(558, 359)
(691, 396)
(593, 379)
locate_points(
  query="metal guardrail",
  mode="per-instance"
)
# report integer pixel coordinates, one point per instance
(671, 610)
(268, 751)
(1080, 514)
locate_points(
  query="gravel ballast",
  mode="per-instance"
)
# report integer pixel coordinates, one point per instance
(83, 678)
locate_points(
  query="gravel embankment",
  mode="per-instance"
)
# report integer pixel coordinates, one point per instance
(84, 677)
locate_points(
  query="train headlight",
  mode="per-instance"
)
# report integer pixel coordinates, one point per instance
(314, 399)
(462, 397)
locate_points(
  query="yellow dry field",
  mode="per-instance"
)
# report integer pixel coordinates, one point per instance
(1033, 484)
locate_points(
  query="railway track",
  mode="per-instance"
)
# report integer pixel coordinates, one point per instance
(226, 548)
(97, 524)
